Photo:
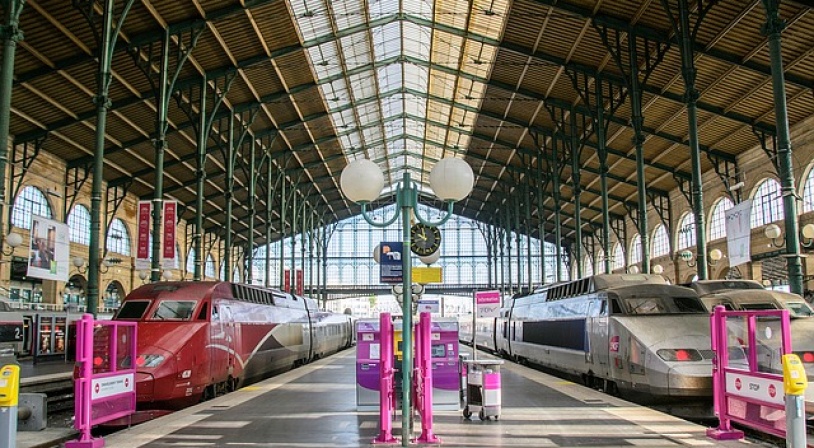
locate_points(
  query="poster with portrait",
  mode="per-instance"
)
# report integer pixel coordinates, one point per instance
(50, 250)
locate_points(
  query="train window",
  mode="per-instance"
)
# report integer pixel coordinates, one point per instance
(645, 306)
(174, 310)
(615, 307)
(800, 309)
(758, 306)
(133, 309)
(215, 315)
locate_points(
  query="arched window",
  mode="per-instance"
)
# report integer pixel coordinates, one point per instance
(222, 271)
(618, 257)
(808, 193)
(29, 202)
(191, 261)
(767, 205)
(717, 223)
(686, 232)
(236, 274)
(118, 239)
(599, 263)
(661, 243)
(209, 271)
(79, 225)
(587, 266)
(177, 263)
(636, 250)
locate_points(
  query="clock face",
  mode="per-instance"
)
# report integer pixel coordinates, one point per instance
(425, 240)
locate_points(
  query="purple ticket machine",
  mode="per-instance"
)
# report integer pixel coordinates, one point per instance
(368, 359)
(446, 379)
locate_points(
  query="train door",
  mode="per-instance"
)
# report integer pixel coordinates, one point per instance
(598, 342)
(221, 343)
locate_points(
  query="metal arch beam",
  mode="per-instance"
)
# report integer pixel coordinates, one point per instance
(661, 36)
(647, 88)
(148, 36)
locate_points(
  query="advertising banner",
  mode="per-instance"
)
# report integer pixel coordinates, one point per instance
(487, 303)
(738, 233)
(50, 250)
(143, 248)
(300, 281)
(287, 280)
(168, 244)
(390, 267)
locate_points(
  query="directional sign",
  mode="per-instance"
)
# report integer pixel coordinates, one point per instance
(488, 303)
(111, 385)
(429, 306)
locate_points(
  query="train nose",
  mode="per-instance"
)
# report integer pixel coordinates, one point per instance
(690, 380)
(145, 387)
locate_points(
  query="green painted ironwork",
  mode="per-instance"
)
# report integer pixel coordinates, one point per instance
(603, 173)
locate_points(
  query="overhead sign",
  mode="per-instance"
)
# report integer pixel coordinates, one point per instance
(427, 274)
(429, 306)
(487, 303)
(390, 264)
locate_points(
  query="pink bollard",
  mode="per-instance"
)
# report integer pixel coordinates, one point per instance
(386, 393)
(424, 379)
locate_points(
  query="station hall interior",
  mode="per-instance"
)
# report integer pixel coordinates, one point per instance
(601, 137)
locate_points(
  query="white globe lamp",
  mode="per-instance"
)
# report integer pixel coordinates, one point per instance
(377, 253)
(14, 239)
(772, 231)
(431, 258)
(362, 181)
(451, 179)
(807, 231)
(658, 269)
(715, 255)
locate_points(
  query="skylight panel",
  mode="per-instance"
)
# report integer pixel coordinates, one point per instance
(394, 128)
(433, 152)
(450, 13)
(324, 59)
(393, 105)
(381, 8)
(416, 41)
(373, 135)
(491, 24)
(446, 49)
(363, 85)
(356, 49)
(389, 77)
(416, 77)
(348, 13)
(312, 19)
(477, 58)
(415, 128)
(419, 8)
(336, 92)
(387, 41)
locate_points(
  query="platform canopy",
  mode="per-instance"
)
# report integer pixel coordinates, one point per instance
(316, 84)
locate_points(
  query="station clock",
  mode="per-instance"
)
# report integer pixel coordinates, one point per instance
(425, 240)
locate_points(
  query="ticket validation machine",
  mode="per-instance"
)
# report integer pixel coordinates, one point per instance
(368, 358)
(9, 398)
(445, 374)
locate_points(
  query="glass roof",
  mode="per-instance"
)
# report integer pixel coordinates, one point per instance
(402, 79)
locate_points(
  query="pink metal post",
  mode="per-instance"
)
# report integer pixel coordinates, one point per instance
(747, 395)
(424, 379)
(386, 393)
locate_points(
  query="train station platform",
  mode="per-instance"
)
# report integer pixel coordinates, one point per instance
(315, 406)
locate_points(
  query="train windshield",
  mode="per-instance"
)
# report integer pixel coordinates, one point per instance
(663, 305)
(800, 309)
(174, 310)
(133, 309)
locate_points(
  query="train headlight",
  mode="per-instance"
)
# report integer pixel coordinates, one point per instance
(806, 357)
(680, 354)
(149, 361)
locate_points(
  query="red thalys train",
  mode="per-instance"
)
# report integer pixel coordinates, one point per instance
(199, 339)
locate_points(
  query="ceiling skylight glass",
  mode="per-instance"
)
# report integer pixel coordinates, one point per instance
(401, 79)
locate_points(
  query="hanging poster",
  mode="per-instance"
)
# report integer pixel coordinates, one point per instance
(738, 233)
(143, 248)
(50, 250)
(300, 281)
(390, 264)
(168, 246)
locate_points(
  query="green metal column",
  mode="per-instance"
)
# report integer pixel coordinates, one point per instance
(162, 122)
(517, 240)
(527, 201)
(325, 238)
(540, 215)
(229, 194)
(253, 178)
(269, 166)
(575, 178)
(555, 173)
(688, 72)
(283, 208)
(772, 29)
(200, 180)
(102, 100)
(294, 230)
(638, 138)
(11, 34)
(508, 217)
(603, 172)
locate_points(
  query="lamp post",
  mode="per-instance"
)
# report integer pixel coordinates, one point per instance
(362, 181)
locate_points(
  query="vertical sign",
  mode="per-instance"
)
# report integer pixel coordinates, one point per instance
(738, 233)
(300, 281)
(287, 280)
(143, 235)
(487, 303)
(50, 249)
(390, 267)
(168, 251)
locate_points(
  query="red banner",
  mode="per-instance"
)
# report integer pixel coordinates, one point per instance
(300, 281)
(143, 235)
(287, 280)
(168, 251)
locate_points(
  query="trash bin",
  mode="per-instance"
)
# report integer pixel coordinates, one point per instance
(483, 388)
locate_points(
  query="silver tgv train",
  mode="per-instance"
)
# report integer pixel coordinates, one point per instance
(631, 334)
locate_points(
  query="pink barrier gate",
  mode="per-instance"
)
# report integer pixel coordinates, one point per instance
(423, 378)
(105, 389)
(747, 379)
